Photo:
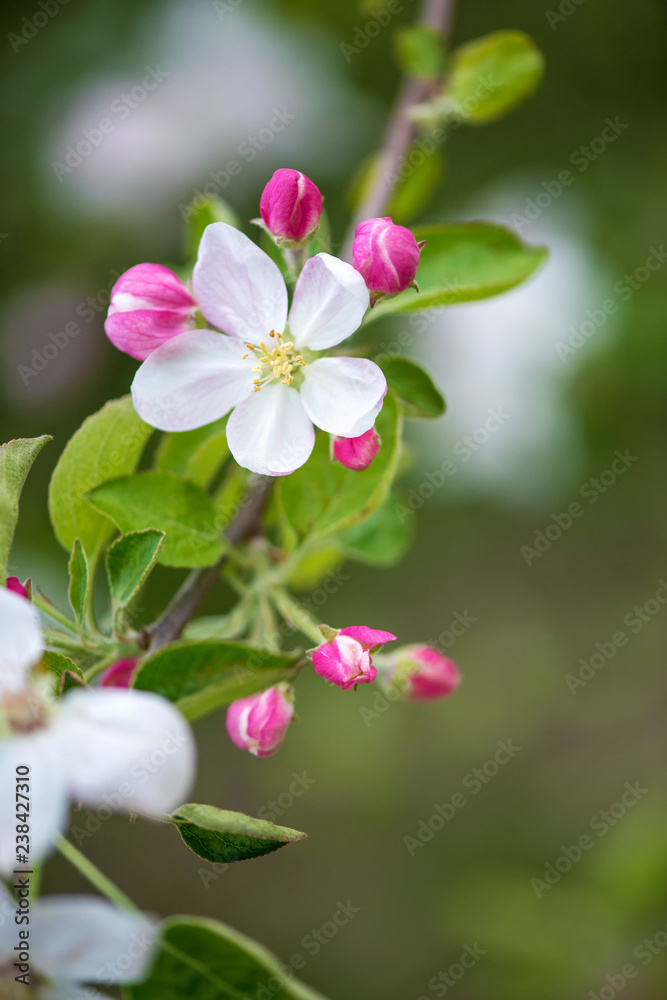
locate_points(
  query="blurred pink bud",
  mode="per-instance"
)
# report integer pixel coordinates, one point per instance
(149, 305)
(119, 674)
(386, 256)
(428, 674)
(15, 585)
(291, 206)
(357, 453)
(346, 660)
(259, 722)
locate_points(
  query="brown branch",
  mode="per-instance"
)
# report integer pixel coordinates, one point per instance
(200, 583)
(401, 130)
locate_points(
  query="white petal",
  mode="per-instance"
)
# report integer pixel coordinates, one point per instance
(126, 749)
(67, 990)
(191, 380)
(343, 396)
(88, 939)
(21, 642)
(330, 300)
(270, 432)
(237, 286)
(48, 794)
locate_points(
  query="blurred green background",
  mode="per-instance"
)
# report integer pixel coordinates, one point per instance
(228, 66)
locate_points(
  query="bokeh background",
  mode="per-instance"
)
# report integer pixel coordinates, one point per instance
(375, 778)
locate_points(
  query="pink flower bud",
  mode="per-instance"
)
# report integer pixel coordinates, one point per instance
(119, 674)
(425, 672)
(15, 585)
(386, 256)
(346, 659)
(149, 305)
(357, 453)
(291, 206)
(259, 722)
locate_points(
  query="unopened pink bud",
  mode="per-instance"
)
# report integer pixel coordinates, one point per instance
(15, 585)
(149, 305)
(426, 672)
(291, 206)
(386, 256)
(346, 659)
(259, 722)
(357, 453)
(119, 674)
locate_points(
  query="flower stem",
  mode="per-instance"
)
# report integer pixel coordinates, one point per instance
(296, 615)
(45, 605)
(95, 876)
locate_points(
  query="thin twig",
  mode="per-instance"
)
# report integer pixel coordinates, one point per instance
(199, 584)
(401, 129)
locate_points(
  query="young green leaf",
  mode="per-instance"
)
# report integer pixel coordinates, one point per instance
(491, 75)
(463, 262)
(16, 458)
(78, 583)
(60, 664)
(420, 51)
(108, 444)
(323, 497)
(129, 561)
(382, 540)
(169, 504)
(202, 676)
(414, 387)
(205, 960)
(196, 455)
(222, 836)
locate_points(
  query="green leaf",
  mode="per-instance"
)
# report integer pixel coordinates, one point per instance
(323, 497)
(166, 503)
(205, 960)
(420, 51)
(129, 561)
(463, 262)
(196, 455)
(60, 664)
(107, 445)
(414, 387)
(382, 540)
(202, 676)
(78, 583)
(222, 836)
(423, 170)
(491, 75)
(16, 458)
(203, 214)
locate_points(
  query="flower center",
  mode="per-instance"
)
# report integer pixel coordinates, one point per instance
(24, 712)
(274, 362)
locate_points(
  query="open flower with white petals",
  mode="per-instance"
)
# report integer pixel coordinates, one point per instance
(115, 747)
(74, 940)
(265, 367)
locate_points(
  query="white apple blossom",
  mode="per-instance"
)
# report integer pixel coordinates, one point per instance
(120, 748)
(265, 367)
(72, 941)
